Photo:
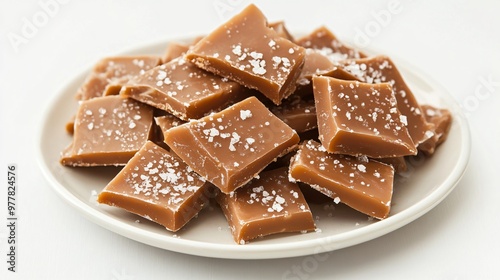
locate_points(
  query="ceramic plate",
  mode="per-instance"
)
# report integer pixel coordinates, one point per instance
(428, 182)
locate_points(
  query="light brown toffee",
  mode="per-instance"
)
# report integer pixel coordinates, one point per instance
(231, 147)
(267, 205)
(108, 131)
(363, 184)
(159, 187)
(109, 74)
(358, 119)
(222, 117)
(264, 61)
(182, 89)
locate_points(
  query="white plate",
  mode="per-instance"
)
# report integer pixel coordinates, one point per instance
(427, 183)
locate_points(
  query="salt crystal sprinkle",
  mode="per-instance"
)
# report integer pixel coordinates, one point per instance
(245, 114)
(361, 168)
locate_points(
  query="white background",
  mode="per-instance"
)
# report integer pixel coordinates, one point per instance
(455, 42)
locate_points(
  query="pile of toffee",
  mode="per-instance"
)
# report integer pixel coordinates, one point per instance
(249, 115)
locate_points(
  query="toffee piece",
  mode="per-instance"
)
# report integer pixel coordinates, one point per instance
(381, 69)
(246, 50)
(318, 64)
(399, 163)
(165, 123)
(440, 121)
(231, 147)
(298, 112)
(315, 63)
(360, 119)
(108, 131)
(326, 43)
(361, 183)
(109, 74)
(280, 29)
(184, 90)
(174, 50)
(159, 187)
(268, 205)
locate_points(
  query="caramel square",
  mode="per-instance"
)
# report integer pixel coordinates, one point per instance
(108, 131)
(268, 205)
(381, 69)
(231, 147)
(159, 187)
(361, 183)
(360, 119)
(245, 49)
(109, 74)
(182, 89)
(324, 41)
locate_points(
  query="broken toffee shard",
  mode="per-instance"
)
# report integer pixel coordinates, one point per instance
(109, 74)
(381, 69)
(440, 121)
(231, 147)
(360, 119)
(264, 60)
(182, 89)
(297, 111)
(268, 205)
(361, 183)
(159, 187)
(326, 43)
(108, 131)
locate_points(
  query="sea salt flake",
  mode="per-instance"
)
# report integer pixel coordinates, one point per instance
(429, 134)
(361, 167)
(280, 199)
(258, 66)
(277, 207)
(237, 50)
(276, 60)
(256, 55)
(245, 114)
(161, 75)
(403, 119)
(214, 132)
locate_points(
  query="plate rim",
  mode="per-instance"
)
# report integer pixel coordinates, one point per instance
(268, 251)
